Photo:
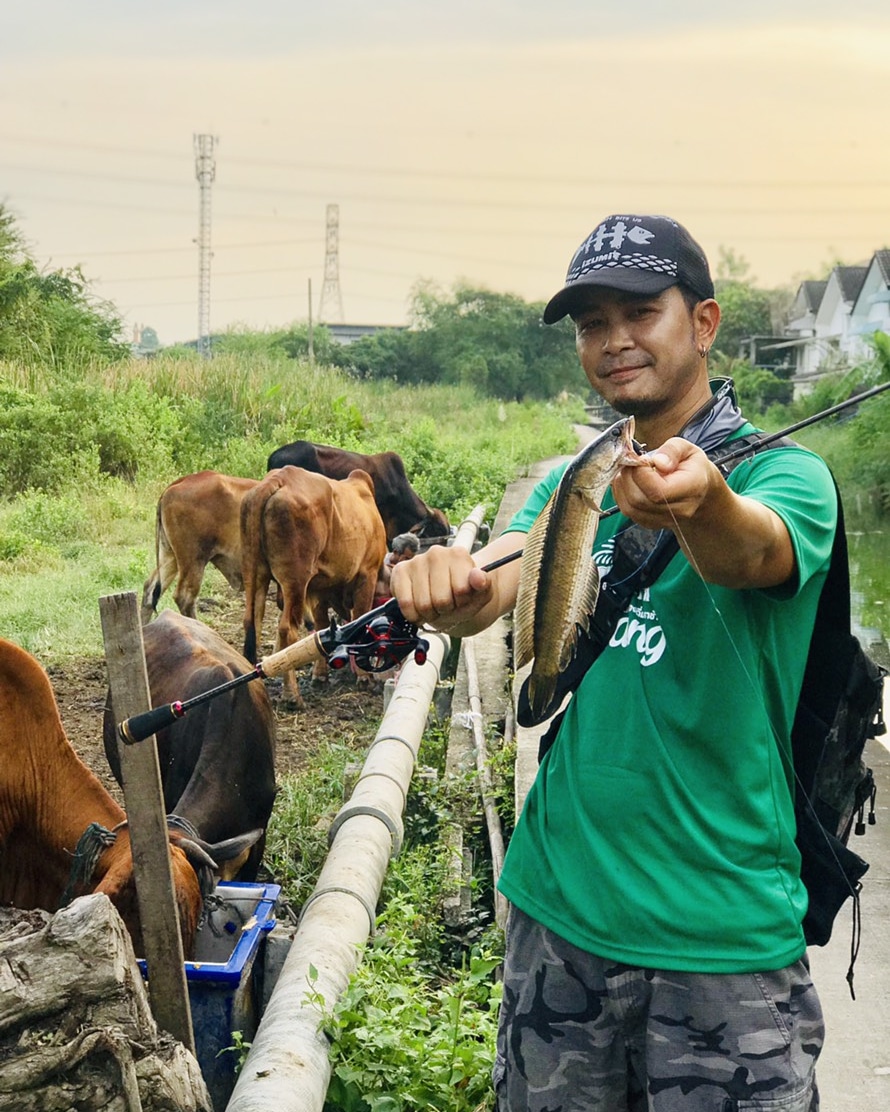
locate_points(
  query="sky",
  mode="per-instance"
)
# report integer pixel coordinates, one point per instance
(462, 142)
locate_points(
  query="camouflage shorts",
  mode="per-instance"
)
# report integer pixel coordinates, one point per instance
(579, 1034)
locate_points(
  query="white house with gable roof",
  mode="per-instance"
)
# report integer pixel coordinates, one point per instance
(826, 319)
(871, 309)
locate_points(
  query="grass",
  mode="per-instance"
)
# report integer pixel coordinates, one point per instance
(83, 460)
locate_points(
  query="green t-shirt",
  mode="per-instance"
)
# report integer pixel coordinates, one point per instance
(660, 828)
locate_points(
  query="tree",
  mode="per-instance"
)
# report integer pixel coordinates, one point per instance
(50, 317)
(731, 266)
(497, 342)
(295, 342)
(745, 311)
(522, 356)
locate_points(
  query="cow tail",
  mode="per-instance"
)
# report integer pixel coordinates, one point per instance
(251, 518)
(154, 588)
(160, 542)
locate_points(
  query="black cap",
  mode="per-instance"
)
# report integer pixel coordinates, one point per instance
(637, 254)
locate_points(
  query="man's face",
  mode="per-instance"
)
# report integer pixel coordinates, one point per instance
(639, 353)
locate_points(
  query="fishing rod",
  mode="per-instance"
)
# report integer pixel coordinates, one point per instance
(748, 449)
(383, 638)
(830, 412)
(375, 642)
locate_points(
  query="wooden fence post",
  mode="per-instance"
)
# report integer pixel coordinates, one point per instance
(144, 804)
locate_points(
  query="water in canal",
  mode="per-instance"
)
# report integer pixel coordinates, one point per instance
(868, 539)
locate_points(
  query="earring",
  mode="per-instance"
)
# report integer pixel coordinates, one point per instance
(703, 351)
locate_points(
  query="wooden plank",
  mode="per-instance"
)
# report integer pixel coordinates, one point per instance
(144, 803)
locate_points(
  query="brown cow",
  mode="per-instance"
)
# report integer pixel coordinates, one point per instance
(217, 763)
(322, 540)
(48, 800)
(198, 523)
(400, 506)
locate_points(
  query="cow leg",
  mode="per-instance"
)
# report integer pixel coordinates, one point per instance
(319, 612)
(256, 589)
(289, 622)
(189, 587)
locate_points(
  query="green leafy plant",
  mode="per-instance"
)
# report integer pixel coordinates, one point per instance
(404, 1037)
(240, 1048)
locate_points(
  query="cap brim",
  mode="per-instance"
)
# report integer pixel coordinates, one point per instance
(572, 296)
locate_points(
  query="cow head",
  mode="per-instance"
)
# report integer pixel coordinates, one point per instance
(196, 866)
(436, 525)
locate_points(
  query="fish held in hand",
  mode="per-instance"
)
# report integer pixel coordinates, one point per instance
(558, 579)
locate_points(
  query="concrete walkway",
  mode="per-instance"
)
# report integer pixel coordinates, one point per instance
(854, 1071)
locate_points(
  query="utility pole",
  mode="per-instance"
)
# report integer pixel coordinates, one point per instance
(331, 308)
(205, 172)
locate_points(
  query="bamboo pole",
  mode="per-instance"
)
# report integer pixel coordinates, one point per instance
(486, 788)
(287, 1067)
(149, 838)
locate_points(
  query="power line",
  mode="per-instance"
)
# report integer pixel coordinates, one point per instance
(259, 297)
(757, 211)
(440, 229)
(447, 175)
(129, 252)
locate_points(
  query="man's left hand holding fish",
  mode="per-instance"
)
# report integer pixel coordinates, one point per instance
(731, 540)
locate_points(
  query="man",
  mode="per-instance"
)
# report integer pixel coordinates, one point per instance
(655, 956)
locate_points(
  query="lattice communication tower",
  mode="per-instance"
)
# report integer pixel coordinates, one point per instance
(330, 310)
(205, 172)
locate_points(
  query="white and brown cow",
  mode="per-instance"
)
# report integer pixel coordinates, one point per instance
(198, 522)
(400, 506)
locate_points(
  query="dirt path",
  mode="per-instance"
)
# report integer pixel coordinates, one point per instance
(339, 710)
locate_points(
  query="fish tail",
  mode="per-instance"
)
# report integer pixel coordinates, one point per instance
(541, 690)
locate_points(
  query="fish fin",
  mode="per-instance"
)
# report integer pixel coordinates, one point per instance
(589, 501)
(589, 594)
(527, 594)
(541, 690)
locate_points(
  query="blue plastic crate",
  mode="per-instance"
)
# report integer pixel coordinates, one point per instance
(223, 995)
(247, 912)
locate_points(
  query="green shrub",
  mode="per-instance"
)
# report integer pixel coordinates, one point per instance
(13, 544)
(50, 520)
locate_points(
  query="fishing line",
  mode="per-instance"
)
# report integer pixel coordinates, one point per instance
(697, 569)
(758, 691)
